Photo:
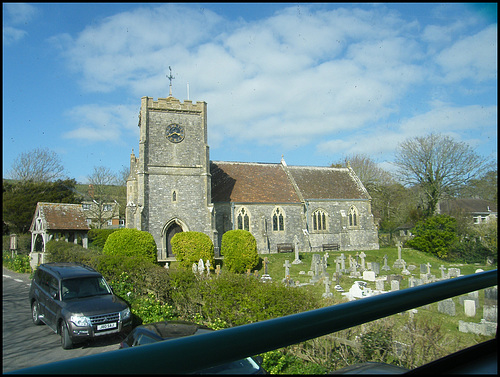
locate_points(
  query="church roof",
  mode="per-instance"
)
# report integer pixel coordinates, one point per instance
(278, 183)
(316, 182)
(59, 216)
(251, 183)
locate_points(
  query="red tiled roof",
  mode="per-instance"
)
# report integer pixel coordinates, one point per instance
(62, 216)
(269, 183)
(327, 183)
(250, 183)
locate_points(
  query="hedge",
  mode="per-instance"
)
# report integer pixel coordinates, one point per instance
(239, 249)
(133, 243)
(190, 247)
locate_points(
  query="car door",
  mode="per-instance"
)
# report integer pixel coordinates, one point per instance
(41, 293)
(52, 302)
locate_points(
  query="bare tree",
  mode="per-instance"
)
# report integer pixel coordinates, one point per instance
(371, 175)
(39, 165)
(100, 181)
(437, 164)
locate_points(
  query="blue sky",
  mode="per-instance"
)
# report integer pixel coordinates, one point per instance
(312, 82)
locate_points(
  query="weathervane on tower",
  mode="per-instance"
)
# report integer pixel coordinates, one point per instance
(170, 77)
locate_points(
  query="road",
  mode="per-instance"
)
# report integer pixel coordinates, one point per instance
(26, 345)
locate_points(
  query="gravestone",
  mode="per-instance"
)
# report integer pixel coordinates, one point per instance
(195, 268)
(405, 271)
(314, 261)
(369, 275)
(296, 243)
(447, 307)
(327, 293)
(394, 285)
(376, 267)
(490, 313)
(491, 296)
(342, 263)
(385, 267)
(423, 268)
(207, 266)
(399, 262)
(287, 266)
(453, 272)
(379, 285)
(217, 270)
(201, 266)
(470, 308)
(266, 277)
(443, 273)
(362, 256)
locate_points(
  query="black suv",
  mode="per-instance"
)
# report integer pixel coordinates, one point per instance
(75, 301)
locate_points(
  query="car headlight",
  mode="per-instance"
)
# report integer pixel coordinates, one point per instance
(80, 320)
(125, 314)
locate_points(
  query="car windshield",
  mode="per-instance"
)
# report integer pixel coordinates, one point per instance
(84, 287)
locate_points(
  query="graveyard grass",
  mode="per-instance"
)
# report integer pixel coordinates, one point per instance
(451, 339)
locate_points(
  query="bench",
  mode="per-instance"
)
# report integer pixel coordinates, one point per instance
(285, 248)
(331, 246)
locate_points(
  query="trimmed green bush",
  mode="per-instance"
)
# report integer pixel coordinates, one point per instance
(239, 249)
(98, 237)
(132, 243)
(190, 247)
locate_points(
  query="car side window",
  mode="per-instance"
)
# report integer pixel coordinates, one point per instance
(53, 287)
(44, 281)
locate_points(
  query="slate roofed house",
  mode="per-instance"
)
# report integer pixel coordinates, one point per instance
(56, 221)
(480, 210)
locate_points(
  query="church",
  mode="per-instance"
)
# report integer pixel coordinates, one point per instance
(174, 187)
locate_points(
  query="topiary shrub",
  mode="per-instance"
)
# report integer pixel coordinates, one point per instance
(239, 249)
(133, 243)
(98, 237)
(190, 247)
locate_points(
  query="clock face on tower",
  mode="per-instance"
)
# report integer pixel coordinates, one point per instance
(175, 133)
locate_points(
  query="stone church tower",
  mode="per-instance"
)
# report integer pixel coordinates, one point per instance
(169, 187)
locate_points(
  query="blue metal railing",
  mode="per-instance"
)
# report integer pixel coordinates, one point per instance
(193, 353)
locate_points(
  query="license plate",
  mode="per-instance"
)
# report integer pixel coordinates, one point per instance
(106, 326)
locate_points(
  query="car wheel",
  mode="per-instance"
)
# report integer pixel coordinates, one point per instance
(66, 342)
(35, 313)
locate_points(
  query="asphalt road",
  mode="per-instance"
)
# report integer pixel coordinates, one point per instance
(26, 345)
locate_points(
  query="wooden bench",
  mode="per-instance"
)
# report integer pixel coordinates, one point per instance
(285, 248)
(331, 247)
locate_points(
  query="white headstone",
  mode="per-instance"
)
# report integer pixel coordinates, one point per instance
(369, 275)
(394, 285)
(470, 308)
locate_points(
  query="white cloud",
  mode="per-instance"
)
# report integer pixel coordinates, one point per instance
(17, 13)
(20, 13)
(472, 57)
(12, 35)
(292, 79)
(97, 123)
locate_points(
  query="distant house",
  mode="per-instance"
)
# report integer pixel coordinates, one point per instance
(105, 215)
(56, 221)
(481, 211)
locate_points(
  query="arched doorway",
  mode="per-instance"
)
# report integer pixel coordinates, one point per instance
(172, 230)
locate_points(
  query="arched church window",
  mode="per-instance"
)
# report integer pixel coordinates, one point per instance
(278, 220)
(319, 220)
(242, 219)
(353, 216)
(174, 196)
